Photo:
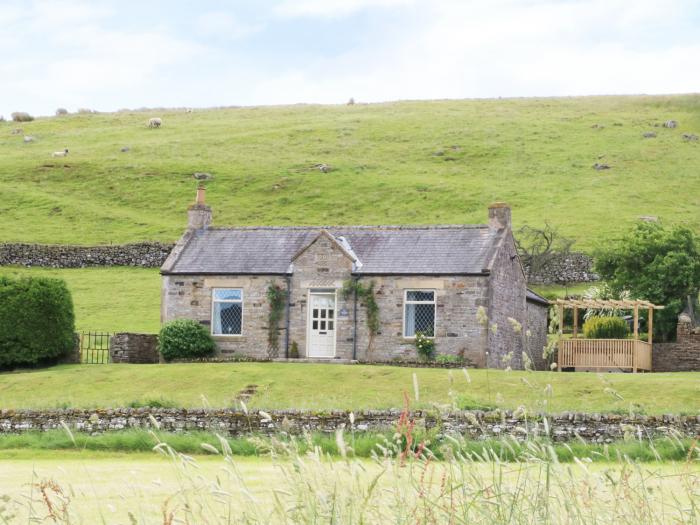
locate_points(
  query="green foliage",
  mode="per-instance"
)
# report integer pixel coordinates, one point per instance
(449, 359)
(185, 339)
(659, 264)
(424, 346)
(37, 324)
(366, 295)
(277, 298)
(604, 327)
(294, 350)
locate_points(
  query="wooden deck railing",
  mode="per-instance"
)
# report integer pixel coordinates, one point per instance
(605, 353)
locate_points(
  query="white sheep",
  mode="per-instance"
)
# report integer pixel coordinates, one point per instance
(60, 153)
(27, 139)
(155, 122)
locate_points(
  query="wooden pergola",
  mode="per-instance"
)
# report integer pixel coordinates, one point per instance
(605, 353)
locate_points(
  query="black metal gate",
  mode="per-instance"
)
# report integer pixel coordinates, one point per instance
(94, 347)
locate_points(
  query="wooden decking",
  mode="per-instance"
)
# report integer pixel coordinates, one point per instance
(626, 354)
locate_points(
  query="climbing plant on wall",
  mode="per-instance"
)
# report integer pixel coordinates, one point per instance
(366, 295)
(276, 297)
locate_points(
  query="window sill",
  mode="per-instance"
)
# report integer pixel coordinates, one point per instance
(221, 337)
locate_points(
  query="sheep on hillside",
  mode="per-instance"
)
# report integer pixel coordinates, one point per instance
(60, 153)
(27, 139)
(155, 122)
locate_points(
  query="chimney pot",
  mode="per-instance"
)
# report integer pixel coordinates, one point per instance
(499, 216)
(199, 214)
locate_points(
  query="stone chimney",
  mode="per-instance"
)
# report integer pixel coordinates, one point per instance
(499, 216)
(199, 214)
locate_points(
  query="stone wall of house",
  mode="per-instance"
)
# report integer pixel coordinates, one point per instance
(574, 267)
(537, 317)
(190, 297)
(507, 292)
(598, 428)
(133, 348)
(681, 356)
(457, 330)
(145, 254)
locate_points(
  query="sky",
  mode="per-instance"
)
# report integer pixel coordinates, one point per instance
(109, 55)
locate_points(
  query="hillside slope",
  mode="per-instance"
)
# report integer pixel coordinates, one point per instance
(404, 162)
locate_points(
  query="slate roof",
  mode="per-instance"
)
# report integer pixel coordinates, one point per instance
(536, 298)
(419, 250)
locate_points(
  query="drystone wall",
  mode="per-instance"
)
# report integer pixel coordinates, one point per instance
(599, 428)
(681, 356)
(575, 267)
(144, 254)
(133, 348)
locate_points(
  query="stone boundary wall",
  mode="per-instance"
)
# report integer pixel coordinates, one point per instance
(133, 348)
(576, 267)
(144, 254)
(681, 356)
(599, 428)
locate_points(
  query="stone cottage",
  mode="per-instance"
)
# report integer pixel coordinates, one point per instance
(462, 286)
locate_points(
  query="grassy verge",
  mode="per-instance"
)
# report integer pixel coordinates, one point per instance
(360, 445)
(405, 162)
(356, 387)
(108, 299)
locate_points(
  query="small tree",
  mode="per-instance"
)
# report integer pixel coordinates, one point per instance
(537, 247)
(658, 264)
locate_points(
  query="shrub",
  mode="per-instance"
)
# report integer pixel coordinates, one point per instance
(21, 116)
(185, 339)
(37, 323)
(449, 359)
(605, 328)
(61, 111)
(294, 350)
(424, 346)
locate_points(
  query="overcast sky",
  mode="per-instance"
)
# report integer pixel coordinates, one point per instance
(108, 55)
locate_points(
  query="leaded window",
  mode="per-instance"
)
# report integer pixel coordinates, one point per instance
(419, 313)
(227, 311)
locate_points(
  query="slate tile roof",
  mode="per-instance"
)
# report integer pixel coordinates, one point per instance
(458, 249)
(536, 298)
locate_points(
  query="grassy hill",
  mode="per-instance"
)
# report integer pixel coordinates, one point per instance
(404, 162)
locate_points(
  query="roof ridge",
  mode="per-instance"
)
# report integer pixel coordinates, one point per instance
(356, 227)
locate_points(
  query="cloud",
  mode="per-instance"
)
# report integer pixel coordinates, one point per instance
(223, 25)
(333, 8)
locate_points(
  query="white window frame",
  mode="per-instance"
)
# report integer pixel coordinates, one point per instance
(407, 302)
(214, 300)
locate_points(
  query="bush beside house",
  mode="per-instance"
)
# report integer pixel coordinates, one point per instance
(37, 323)
(185, 339)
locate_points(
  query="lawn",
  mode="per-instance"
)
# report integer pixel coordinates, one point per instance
(140, 488)
(397, 163)
(113, 299)
(351, 387)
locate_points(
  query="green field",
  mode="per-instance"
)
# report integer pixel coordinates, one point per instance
(356, 387)
(402, 162)
(114, 299)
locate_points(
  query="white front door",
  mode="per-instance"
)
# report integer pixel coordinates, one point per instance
(322, 324)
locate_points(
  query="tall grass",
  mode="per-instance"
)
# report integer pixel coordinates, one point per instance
(468, 486)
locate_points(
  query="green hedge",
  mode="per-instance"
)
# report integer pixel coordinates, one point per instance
(605, 328)
(185, 339)
(37, 323)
